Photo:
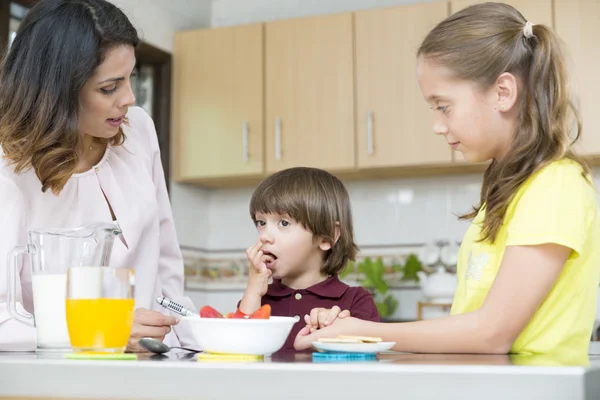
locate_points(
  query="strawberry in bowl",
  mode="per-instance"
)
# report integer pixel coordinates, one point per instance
(238, 333)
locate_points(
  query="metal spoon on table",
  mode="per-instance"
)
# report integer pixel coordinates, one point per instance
(158, 347)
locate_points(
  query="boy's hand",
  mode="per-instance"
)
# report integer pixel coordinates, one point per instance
(322, 317)
(258, 275)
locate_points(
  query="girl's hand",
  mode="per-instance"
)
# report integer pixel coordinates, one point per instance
(322, 317)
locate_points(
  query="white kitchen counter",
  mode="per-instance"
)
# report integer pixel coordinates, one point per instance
(402, 376)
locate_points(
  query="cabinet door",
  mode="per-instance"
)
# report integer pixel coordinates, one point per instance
(578, 25)
(394, 121)
(536, 11)
(218, 103)
(310, 93)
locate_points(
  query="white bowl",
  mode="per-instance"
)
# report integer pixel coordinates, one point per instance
(240, 336)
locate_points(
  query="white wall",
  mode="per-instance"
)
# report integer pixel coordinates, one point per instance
(392, 212)
(191, 211)
(386, 212)
(235, 12)
(157, 21)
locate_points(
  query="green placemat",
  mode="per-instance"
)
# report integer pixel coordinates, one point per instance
(101, 356)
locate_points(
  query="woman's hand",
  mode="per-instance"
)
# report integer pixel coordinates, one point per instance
(148, 323)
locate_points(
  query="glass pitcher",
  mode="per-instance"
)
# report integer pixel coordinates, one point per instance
(52, 253)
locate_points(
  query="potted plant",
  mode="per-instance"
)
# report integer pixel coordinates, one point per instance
(370, 275)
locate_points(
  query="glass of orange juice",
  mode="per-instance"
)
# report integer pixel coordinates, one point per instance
(99, 308)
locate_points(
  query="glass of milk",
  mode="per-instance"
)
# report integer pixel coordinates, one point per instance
(51, 254)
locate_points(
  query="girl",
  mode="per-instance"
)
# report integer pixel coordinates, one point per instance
(529, 265)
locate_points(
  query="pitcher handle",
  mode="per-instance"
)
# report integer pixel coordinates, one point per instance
(11, 295)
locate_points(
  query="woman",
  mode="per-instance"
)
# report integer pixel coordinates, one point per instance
(74, 153)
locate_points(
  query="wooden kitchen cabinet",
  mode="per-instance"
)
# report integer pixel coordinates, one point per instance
(394, 121)
(218, 103)
(309, 74)
(252, 100)
(578, 25)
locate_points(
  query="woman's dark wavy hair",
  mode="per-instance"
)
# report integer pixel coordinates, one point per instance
(57, 48)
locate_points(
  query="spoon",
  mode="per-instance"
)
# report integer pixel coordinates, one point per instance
(158, 347)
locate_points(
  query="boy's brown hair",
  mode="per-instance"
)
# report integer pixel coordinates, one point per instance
(317, 200)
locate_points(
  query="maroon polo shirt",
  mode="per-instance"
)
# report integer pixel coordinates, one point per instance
(288, 302)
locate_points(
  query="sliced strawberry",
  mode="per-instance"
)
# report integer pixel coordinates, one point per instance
(209, 312)
(262, 313)
(239, 314)
(229, 315)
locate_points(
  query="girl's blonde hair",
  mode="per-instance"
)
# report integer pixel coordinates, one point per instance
(478, 44)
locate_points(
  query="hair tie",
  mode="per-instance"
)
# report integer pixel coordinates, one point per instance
(528, 30)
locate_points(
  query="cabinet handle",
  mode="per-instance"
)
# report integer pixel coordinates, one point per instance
(370, 133)
(278, 138)
(245, 141)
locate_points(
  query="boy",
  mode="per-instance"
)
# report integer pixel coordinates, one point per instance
(305, 238)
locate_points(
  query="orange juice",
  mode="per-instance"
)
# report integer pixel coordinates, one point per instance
(99, 324)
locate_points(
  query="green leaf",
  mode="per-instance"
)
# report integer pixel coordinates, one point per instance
(380, 285)
(368, 283)
(365, 266)
(397, 268)
(378, 273)
(382, 309)
(346, 271)
(391, 304)
(412, 266)
(378, 267)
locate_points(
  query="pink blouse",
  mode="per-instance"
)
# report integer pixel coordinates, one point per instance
(131, 176)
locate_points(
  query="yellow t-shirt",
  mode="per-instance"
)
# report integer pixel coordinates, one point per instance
(555, 205)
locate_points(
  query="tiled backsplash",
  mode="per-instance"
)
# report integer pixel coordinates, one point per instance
(204, 269)
(387, 213)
